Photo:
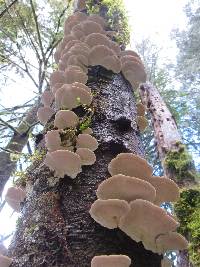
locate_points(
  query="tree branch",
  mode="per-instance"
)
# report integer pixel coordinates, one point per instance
(7, 8)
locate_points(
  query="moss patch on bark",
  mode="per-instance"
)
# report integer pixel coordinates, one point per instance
(187, 210)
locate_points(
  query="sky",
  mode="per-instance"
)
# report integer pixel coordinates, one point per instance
(154, 19)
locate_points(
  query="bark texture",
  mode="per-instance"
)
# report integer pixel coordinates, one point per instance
(55, 228)
(16, 144)
(166, 135)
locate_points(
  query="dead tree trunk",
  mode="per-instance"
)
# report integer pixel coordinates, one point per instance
(55, 228)
(176, 161)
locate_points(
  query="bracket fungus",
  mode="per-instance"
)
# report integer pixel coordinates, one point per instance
(131, 165)
(134, 72)
(44, 114)
(72, 96)
(87, 131)
(109, 212)
(145, 221)
(64, 162)
(86, 141)
(111, 261)
(171, 241)
(166, 189)
(98, 19)
(65, 119)
(47, 98)
(5, 261)
(87, 156)
(129, 53)
(125, 187)
(14, 196)
(53, 140)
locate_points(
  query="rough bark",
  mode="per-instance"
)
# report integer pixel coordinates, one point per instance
(168, 142)
(16, 144)
(166, 133)
(55, 228)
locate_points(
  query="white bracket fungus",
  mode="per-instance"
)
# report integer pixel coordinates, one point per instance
(87, 156)
(64, 162)
(65, 119)
(44, 114)
(125, 187)
(72, 96)
(86, 141)
(111, 261)
(109, 212)
(131, 165)
(47, 98)
(166, 189)
(145, 221)
(14, 197)
(171, 241)
(53, 140)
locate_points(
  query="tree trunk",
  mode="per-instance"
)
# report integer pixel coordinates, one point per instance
(16, 144)
(177, 163)
(169, 144)
(55, 228)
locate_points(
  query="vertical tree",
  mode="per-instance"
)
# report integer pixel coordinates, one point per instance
(56, 228)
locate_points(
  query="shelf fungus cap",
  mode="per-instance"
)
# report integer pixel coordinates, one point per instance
(108, 212)
(72, 96)
(53, 140)
(65, 119)
(134, 71)
(128, 58)
(95, 39)
(171, 241)
(131, 165)
(89, 27)
(125, 187)
(98, 19)
(57, 77)
(87, 156)
(112, 63)
(63, 162)
(98, 53)
(142, 123)
(14, 196)
(44, 114)
(75, 76)
(146, 221)
(47, 98)
(129, 53)
(140, 109)
(5, 261)
(87, 131)
(111, 261)
(165, 262)
(86, 141)
(166, 189)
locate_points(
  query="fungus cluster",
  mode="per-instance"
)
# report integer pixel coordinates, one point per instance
(130, 199)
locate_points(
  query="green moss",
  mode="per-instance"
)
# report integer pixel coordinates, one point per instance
(187, 210)
(180, 163)
(115, 15)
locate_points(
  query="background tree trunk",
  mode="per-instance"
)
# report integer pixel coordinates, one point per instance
(177, 163)
(55, 228)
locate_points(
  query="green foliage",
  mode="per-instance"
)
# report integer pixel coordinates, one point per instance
(115, 14)
(187, 210)
(180, 163)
